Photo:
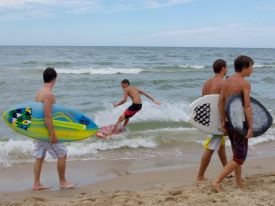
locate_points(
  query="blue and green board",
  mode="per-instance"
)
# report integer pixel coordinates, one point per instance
(28, 119)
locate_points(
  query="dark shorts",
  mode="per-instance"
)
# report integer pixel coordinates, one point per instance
(239, 145)
(132, 110)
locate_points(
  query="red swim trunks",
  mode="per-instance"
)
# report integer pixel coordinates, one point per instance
(132, 110)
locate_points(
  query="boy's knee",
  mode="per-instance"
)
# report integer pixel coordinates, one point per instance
(121, 118)
(238, 161)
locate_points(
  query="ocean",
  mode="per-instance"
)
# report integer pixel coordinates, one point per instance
(89, 81)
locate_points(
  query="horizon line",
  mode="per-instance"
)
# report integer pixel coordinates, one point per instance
(11, 45)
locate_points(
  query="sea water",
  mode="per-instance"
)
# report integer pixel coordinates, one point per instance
(89, 81)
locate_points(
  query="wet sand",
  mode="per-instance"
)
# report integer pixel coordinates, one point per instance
(174, 186)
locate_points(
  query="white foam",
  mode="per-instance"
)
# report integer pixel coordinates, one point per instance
(101, 71)
(80, 148)
(13, 151)
(192, 66)
(18, 151)
(263, 65)
(167, 111)
(268, 136)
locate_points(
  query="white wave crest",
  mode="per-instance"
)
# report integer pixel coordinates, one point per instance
(101, 71)
(263, 65)
(167, 111)
(20, 151)
(192, 66)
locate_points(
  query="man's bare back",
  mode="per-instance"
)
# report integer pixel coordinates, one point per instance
(134, 94)
(45, 93)
(213, 85)
(234, 85)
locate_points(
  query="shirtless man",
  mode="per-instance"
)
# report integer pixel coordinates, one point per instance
(134, 93)
(215, 142)
(56, 149)
(236, 84)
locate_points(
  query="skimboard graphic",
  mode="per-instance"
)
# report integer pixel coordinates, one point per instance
(202, 114)
(69, 124)
(21, 118)
(205, 114)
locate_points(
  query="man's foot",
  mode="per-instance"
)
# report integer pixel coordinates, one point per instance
(217, 186)
(40, 187)
(230, 176)
(240, 185)
(67, 185)
(201, 179)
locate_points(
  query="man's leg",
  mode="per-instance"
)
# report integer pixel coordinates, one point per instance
(126, 120)
(206, 157)
(120, 119)
(222, 155)
(37, 172)
(232, 165)
(238, 174)
(61, 169)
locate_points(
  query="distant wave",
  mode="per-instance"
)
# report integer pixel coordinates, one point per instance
(101, 71)
(192, 66)
(57, 63)
(30, 62)
(176, 68)
(264, 65)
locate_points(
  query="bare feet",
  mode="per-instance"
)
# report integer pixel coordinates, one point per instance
(217, 186)
(201, 179)
(40, 187)
(67, 185)
(230, 176)
(240, 185)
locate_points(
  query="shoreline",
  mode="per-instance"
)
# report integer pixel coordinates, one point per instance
(165, 187)
(93, 171)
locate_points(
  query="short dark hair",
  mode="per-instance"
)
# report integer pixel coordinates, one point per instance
(242, 62)
(218, 65)
(49, 75)
(125, 81)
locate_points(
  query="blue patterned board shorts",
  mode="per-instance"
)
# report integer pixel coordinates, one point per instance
(56, 150)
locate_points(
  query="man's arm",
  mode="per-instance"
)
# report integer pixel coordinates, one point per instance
(48, 101)
(205, 88)
(123, 100)
(221, 105)
(248, 109)
(149, 97)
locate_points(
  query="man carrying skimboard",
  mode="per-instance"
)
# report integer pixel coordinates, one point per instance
(215, 142)
(56, 149)
(134, 93)
(236, 84)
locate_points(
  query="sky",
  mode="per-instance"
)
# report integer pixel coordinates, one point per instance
(175, 23)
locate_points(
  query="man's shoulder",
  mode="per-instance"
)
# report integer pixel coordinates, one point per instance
(131, 88)
(48, 96)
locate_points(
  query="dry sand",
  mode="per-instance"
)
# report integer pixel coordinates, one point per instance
(166, 187)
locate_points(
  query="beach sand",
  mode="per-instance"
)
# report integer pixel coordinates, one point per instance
(161, 187)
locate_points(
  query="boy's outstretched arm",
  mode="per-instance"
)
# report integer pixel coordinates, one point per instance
(122, 101)
(149, 97)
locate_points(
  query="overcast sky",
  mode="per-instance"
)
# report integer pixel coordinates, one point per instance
(199, 23)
